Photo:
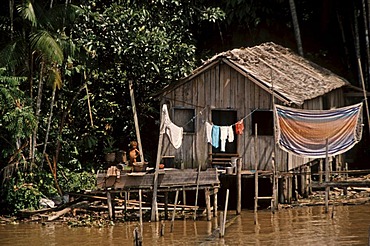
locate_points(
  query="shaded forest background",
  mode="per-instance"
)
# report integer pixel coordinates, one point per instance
(65, 68)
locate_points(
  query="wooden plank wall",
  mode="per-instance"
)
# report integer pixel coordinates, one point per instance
(222, 87)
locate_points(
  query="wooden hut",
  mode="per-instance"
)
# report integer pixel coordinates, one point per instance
(244, 84)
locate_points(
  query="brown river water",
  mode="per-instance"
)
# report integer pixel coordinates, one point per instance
(347, 225)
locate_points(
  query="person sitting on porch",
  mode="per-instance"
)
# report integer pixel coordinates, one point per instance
(134, 152)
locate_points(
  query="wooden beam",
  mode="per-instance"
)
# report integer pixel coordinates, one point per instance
(136, 121)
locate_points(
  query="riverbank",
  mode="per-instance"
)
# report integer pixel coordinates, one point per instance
(89, 212)
(92, 210)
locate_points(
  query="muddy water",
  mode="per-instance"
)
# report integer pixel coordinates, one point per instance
(348, 225)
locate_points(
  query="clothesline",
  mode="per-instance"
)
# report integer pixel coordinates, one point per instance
(201, 112)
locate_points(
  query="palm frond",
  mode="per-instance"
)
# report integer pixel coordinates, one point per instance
(54, 78)
(13, 54)
(47, 46)
(27, 12)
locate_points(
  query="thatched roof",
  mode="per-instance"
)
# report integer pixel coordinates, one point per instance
(293, 78)
(290, 75)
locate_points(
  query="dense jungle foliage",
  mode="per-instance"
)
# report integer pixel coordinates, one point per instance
(65, 68)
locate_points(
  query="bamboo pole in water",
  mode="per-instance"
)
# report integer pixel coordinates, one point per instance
(327, 188)
(225, 212)
(174, 211)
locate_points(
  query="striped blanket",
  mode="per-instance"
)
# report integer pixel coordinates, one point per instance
(305, 132)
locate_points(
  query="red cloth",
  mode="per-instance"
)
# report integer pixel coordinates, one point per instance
(239, 127)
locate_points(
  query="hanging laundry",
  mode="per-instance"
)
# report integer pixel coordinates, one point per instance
(209, 132)
(174, 132)
(230, 134)
(317, 133)
(224, 131)
(239, 127)
(215, 136)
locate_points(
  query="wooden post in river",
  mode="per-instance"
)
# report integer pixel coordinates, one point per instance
(154, 214)
(174, 211)
(255, 174)
(239, 186)
(327, 188)
(140, 213)
(110, 203)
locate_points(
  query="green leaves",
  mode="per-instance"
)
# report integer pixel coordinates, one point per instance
(47, 46)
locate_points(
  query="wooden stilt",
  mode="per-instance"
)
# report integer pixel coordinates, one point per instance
(166, 205)
(273, 198)
(327, 188)
(256, 173)
(196, 193)
(303, 182)
(138, 241)
(174, 211)
(110, 206)
(239, 186)
(320, 171)
(221, 224)
(140, 212)
(225, 212)
(154, 214)
(183, 199)
(162, 228)
(208, 203)
(125, 204)
(215, 202)
(345, 190)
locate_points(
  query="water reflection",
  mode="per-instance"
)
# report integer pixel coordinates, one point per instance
(345, 225)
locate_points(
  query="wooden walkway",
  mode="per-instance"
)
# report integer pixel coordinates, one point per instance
(169, 180)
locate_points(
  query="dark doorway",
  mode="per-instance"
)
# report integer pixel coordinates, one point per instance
(225, 118)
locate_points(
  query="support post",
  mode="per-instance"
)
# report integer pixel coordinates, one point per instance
(154, 214)
(140, 212)
(239, 186)
(225, 212)
(208, 203)
(125, 204)
(174, 211)
(196, 193)
(273, 198)
(166, 205)
(221, 224)
(136, 121)
(327, 188)
(255, 174)
(110, 206)
(215, 191)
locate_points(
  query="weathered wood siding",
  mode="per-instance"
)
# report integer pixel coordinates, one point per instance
(222, 87)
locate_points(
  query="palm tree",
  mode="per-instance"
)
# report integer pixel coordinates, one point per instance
(297, 32)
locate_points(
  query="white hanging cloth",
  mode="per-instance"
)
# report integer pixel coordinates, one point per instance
(173, 131)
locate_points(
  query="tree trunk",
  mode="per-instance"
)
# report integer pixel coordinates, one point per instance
(48, 127)
(297, 32)
(357, 41)
(345, 45)
(38, 110)
(364, 15)
(11, 14)
(62, 121)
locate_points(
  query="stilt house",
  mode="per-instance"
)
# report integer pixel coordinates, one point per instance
(244, 84)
